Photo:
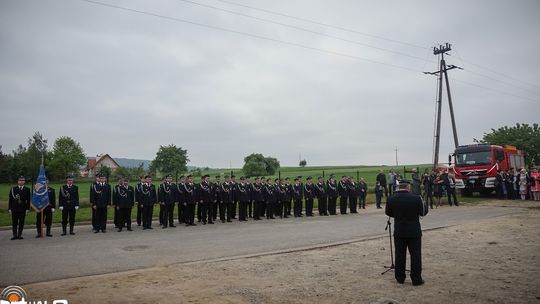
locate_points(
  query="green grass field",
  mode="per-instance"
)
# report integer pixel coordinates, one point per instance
(84, 213)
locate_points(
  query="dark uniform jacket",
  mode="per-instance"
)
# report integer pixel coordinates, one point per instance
(270, 193)
(406, 209)
(281, 193)
(204, 193)
(180, 193)
(138, 190)
(331, 189)
(298, 191)
(362, 188)
(68, 197)
(227, 194)
(353, 190)
(320, 190)
(148, 196)
(217, 192)
(343, 190)
(100, 195)
(257, 194)
(243, 192)
(19, 199)
(190, 193)
(381, 178)
(309, 191)
(166, 194)
(52, 198)
(123, 196)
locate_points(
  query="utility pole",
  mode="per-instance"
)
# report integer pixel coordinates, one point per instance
(396, 156)
(443, 72)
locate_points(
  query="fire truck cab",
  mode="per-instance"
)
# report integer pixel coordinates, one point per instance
(476, 166)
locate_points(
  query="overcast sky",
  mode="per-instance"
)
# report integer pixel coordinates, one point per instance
(124, 83)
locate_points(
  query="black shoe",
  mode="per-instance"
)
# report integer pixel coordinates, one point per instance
(138, 224)
(193, 224)
(129, 229)
(164, 227)
(172, 226)
(119, 230)
(223, 221)
(96, 231)
(230, 221)
(63, 233)
(20, 238)
(102, 231)
(38, 236)
(211, 223)
(49, 235)
(400, 281)
(149, 228)
(418, 283)
(144, 228)
(14, 238)
(204, 223)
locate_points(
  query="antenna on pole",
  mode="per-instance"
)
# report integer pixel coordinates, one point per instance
(443, 72)
(396, 149)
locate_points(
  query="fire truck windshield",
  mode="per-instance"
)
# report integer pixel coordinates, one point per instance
(473, 158)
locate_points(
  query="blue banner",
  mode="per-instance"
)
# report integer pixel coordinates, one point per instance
(40, 197)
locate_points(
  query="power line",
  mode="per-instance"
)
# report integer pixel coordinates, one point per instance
(286, 43)
(497, 72)
(324, 24)
(247, 34)
(305, 30)
(377, 37)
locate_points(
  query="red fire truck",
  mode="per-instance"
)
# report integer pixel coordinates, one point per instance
(476, 166)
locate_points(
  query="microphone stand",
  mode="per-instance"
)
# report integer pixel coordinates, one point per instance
(389, 228)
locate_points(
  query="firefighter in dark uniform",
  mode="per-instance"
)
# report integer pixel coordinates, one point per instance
(101, 199)
(406, 208)
(234, 187)
(298, 195)
(217, 205)
(288, 198)
(322, 196)
(353, 195)
(148, 198)
(309, 194)
(19, 204)
(205, 199)
(68, 202)
(281, 196)
(362, 188)
(343, 191)
(190, 201)
(257, 195)
(227, 204)
(331, 187)
(270, 198)
(123, 200)
(95, 183)
(249, 187)
(116, 216)
(243, 198)
(138, 191)
(181, 199)
(166, 199)
(47, 212)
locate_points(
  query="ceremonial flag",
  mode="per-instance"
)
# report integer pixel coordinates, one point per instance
(40, 197)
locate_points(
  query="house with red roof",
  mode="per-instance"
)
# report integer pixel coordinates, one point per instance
(94, 164)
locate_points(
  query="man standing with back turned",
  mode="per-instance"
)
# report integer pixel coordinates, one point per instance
(406, 208)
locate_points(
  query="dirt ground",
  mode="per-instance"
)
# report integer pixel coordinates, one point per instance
(489, 261)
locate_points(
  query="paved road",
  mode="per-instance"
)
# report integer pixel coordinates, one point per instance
(35, 260)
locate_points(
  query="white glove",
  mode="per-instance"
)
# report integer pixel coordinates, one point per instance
(9, 210)
(61, 208)
(76, 207)
(52, 209)
(26, 211)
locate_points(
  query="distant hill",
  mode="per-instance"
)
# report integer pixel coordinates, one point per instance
(133, 163)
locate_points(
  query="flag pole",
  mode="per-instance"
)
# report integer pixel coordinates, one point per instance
(41, 211)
